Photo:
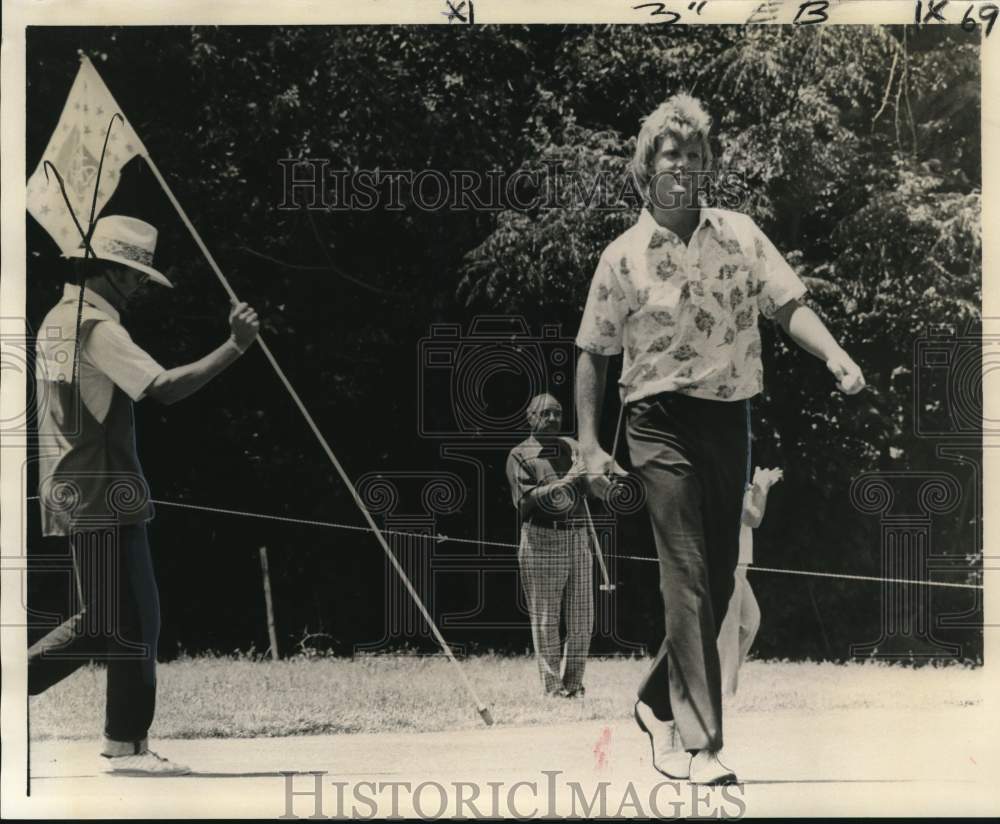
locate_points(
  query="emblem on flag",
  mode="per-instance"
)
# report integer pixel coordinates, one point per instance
(75, 150)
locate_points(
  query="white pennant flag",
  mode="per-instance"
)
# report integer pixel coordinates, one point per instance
(75, 151)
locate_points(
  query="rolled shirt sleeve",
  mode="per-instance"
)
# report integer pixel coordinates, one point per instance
(602, 325)
(777, 281)
(111, 350)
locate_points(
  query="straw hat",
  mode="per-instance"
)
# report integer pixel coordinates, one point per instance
(125, 240)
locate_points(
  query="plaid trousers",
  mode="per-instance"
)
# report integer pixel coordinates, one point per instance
(557, 575)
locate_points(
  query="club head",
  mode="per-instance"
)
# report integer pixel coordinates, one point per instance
(484, 713)
(607, 587)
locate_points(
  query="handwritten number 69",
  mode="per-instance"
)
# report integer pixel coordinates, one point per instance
(988, 12)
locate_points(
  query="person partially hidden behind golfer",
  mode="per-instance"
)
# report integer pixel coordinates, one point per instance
(91, 485)
(739, 628)
(548, 489)
(679, 294)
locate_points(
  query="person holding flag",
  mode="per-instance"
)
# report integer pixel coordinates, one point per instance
(89, 372)
(90, 477)
(94, 469)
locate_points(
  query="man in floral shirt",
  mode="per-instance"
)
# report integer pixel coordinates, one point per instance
(679, 294)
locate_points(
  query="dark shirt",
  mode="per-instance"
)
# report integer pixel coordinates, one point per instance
(532, 464)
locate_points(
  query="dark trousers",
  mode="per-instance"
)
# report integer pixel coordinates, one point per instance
(692, 457)
(118, 622)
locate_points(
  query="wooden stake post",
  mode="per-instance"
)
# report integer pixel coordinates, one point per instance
(266, 575)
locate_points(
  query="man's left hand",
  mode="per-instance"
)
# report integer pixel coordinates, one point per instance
(764, 479)
(850, 381)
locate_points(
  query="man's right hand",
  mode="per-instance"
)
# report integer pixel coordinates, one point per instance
(601, 469)
(244, 325)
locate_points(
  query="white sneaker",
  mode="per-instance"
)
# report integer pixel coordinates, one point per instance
(146, 763)
(706, 768)
(669, 756)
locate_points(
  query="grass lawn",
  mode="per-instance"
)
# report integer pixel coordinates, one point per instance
(210, 697)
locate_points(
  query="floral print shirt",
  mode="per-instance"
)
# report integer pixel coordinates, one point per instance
(686, 316)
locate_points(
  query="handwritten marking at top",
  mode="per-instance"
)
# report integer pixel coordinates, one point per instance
(660, 10)
(987, 13)
(766, 12)
(456, 12)
(812, 12)
(933, 11)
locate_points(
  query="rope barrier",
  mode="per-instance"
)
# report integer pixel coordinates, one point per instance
(844, 575)
(440, 539)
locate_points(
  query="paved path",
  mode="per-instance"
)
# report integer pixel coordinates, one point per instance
(868, 762)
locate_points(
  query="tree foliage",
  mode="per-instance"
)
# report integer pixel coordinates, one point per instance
(859, 152)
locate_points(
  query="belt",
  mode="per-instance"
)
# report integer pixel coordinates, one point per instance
(560, 524)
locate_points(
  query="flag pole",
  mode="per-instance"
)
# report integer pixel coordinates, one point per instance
(481, 708)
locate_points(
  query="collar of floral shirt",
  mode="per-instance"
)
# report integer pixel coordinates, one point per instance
(646, 225)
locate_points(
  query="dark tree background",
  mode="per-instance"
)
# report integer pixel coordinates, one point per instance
(859, 148)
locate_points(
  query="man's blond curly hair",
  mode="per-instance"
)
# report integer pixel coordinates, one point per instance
(681, 116)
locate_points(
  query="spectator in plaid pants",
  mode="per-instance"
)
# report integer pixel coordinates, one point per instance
(548, 488)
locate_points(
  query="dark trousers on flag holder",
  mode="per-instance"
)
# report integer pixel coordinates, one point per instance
(116, 621)
(691, 456)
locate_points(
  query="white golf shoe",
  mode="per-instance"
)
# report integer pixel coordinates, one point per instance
(706, 768)
(146, 763)
(669, 756)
